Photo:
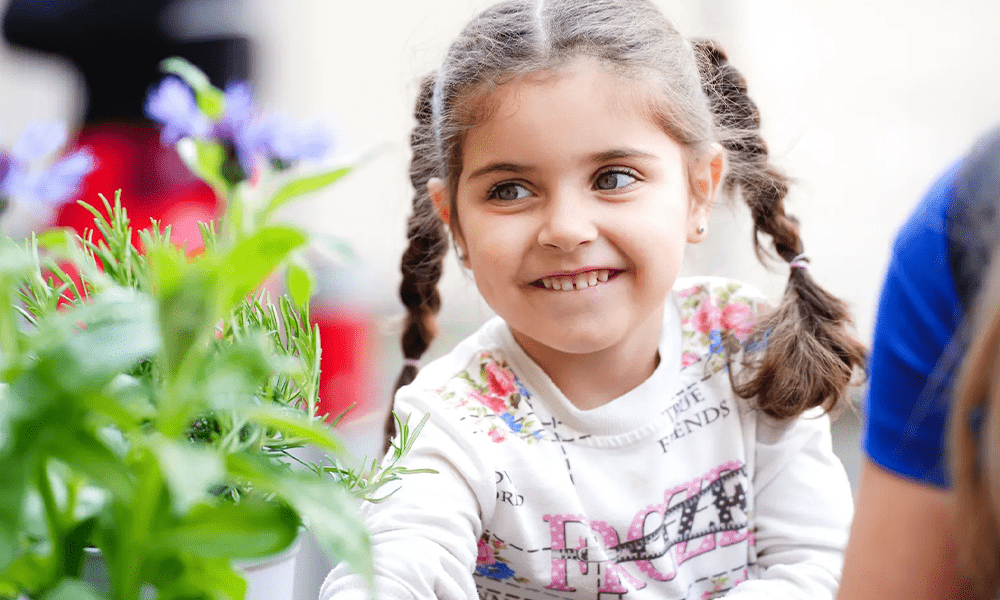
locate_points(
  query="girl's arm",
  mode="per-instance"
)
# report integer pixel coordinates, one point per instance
(424, 536)
(803, 510)
(901, 546)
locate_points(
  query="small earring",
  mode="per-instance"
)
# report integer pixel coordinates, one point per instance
(701, 229)
(461, 257)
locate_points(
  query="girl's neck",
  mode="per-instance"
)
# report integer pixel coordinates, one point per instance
(594, 379)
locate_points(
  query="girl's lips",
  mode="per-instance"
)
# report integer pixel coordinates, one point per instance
(579, 280)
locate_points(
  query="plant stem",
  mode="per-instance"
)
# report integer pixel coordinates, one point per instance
(53, 518)
(137, 519)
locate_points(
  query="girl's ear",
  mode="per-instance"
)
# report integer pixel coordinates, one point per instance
(438, 192)
(439, 196)
(706, 177)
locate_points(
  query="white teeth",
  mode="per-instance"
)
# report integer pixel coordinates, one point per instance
(580, 281)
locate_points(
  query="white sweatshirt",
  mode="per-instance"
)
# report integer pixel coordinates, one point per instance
(677, 489)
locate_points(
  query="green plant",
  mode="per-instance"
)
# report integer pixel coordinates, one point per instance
(152, 406)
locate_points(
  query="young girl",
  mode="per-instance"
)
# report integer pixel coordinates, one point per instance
(613, 431)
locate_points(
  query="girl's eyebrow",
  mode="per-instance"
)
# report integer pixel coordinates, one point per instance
(597, 157)
(617, 153)
(499, 168)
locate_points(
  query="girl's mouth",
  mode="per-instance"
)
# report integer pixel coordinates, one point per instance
(578, 281)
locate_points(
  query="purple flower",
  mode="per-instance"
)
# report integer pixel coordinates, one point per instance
(292, 143)
(62, 180)
(249, 136)
(39, 140)
(49, 186)
(173, 105)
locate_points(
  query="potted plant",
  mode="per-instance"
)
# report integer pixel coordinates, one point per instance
(150, 406)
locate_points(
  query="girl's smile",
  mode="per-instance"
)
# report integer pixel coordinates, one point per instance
(579, 280)
(574, 210)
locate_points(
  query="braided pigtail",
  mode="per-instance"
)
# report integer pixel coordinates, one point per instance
(422, 262)
(810, 356)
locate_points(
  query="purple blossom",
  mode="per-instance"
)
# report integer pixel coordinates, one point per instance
(62, 180)
(39, 140)
(173, 105)
(48, 186)
(292, 143)
(249, 135)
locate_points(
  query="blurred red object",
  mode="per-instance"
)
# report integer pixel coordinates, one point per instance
(154, 183)
(347, 364)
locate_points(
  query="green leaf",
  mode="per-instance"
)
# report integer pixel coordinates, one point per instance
(299, 280)
(195, 575)
(329, 512)
(14, 261)
(206, 159)
(14, 477)
(73, 589)
(333, 518)
(210, 99)
(189, 471)
(251, 529)
(26, 574)
(305, 185)
(58, 240)
(253, 260)
(85, 454)
(121, 330)
(186, 316)
(292, 423)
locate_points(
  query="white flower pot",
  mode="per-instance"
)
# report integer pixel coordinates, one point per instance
(272, 578)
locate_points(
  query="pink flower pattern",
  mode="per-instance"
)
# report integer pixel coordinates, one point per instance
(490, 392)
(708, 317)
(738, 319)
(712, 313)
(485, 552)
(501, 381)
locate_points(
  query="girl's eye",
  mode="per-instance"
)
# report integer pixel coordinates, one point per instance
(508, 192)
(612, 180)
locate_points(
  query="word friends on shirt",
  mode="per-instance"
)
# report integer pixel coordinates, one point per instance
(690, 412)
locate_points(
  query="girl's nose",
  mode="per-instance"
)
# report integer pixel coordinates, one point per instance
(567, 222)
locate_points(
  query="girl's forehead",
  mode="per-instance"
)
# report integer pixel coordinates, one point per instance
(583, 93)
(607, 90)
(561, 119)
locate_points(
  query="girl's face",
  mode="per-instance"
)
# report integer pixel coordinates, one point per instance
(575, 210)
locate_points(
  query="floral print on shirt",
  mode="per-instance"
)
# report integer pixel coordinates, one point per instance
(490, 563)
(718, 320)
(491, 393)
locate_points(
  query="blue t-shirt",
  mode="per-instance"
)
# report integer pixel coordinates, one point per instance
(937, 262)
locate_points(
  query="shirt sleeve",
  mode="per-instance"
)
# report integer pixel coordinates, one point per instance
(906, 408)
(803, 509)
(424, 536)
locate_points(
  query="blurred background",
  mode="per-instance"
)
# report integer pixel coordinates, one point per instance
(864, 102)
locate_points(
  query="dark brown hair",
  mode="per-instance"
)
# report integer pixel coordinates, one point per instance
(810, 356)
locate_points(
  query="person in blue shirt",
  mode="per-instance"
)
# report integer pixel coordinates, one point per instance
(902, 544)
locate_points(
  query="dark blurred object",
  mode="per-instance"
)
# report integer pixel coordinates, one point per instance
(117, 46)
